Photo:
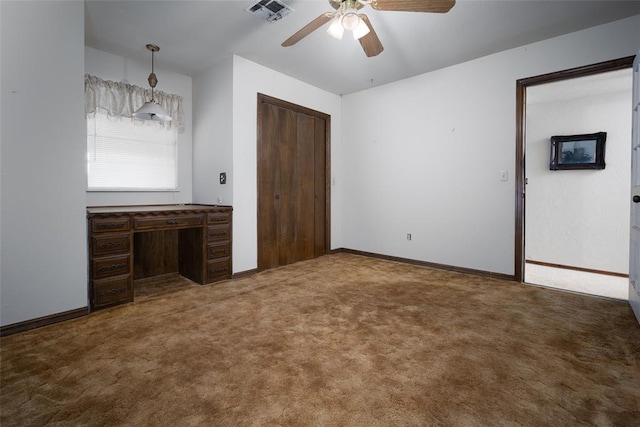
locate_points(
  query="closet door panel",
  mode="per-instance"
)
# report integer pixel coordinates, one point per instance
(292, 183)
(268, 187)
(319, 187)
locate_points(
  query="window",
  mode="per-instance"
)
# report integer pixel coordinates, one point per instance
(127, 155)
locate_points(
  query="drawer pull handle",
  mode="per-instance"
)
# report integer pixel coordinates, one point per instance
(112, 291)
(111, 245)
(111, 225)
(112, 267)
(186, 221)
(219, 252)
(219, 234)
(219, 269)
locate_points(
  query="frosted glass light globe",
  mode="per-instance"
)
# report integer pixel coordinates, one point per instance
(361, 30)
(350, 21)
(336, 30)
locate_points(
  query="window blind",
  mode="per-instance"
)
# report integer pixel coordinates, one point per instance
(123, 155)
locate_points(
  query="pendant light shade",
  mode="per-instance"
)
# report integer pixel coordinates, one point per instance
(361, 30)
(336, 30)
(350, 19)
(151, 110)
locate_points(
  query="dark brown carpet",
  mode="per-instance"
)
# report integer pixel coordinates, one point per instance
(342, 340)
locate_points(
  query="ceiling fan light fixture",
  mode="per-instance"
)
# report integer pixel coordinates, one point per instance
(336, 30)
(346, 16)
(361, 30)
(350, 20)
(151, 110)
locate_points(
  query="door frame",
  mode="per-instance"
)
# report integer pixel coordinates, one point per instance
(521, 127)
(262, 98)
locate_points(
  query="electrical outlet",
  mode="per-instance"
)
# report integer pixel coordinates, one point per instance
(409, 236)
(223, 177)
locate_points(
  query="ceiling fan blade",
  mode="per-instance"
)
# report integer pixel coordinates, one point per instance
(308, 29)
(370, 43)
(433, 6)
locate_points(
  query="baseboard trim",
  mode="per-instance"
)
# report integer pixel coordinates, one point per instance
(568, 267)
(43, 321)
(428, 264)
(245, 273)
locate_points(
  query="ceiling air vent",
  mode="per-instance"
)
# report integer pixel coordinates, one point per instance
(270, 10)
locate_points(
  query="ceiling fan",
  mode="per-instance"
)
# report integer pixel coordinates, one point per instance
(347, 17)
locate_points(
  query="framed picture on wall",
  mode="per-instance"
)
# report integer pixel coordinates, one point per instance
(584, 151)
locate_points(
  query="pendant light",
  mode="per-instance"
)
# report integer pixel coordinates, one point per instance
(151, 110)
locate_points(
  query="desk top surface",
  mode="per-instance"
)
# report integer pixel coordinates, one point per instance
(149, 208)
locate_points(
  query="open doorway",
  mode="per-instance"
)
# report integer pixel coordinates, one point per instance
(572, 225)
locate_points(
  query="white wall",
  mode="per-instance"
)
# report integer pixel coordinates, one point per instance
(249, 79)
(44, 247)
(213, 135)
(117, 68)
(425, 154)
(579, 218)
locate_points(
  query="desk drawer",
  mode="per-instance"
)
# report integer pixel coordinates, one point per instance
(110, 224)
(219, 217)
(218, 250)
(114, 290)
(111, 266)
(160, 222)
(218, 269)
(107, 244)
(218, 232)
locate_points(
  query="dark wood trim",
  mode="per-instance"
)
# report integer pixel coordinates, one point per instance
(586, 70)
(427, 264)
(327, 191)
(568, 267)
(521, 113)
(262, 98)
(521, 105)
(245, 273)
(43, 321)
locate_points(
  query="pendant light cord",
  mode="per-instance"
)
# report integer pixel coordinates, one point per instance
(153, 98)
(153, 80)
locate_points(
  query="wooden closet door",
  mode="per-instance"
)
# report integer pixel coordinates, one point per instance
(268, 187)
(291, 186)
(321, 188)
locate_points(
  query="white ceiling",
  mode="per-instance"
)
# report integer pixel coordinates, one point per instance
(196, 35)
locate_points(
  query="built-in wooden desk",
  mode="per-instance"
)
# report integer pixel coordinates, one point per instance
(127, 243)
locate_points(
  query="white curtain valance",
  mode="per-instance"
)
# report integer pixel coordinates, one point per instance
(123, 99)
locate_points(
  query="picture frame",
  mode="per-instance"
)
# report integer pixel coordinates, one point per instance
(585, 151)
